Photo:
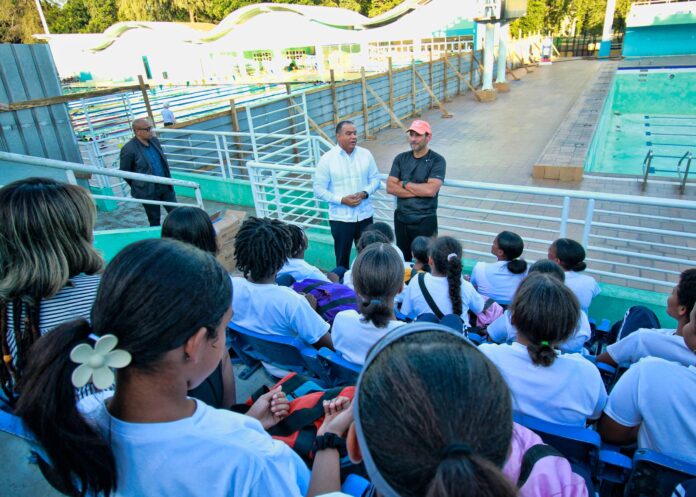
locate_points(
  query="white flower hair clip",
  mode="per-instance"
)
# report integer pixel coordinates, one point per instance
(95, 363)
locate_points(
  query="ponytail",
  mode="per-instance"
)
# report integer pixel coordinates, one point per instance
(517, 266)
(468, 476)
(570, 254)
(376, 311)
(454, 282)
(512, 246)
(542, 354)
(81, 458)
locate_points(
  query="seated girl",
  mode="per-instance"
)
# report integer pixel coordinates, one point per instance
(296, 266)
(652, 404)
(49, 270)
(499, 280)
(367, 238)
(561, 388)
(260, 304)
(433, 417)
(570, 255)
(667, 344)
(193, 225)
(444, 292)
(378, 275)
(159, 319)
(501, 330)
(420, 249)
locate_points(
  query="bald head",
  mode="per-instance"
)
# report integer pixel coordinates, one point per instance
(143, 130)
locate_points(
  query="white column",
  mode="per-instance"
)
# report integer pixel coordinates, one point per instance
(605, 46)
(503, 34)
(489, 45)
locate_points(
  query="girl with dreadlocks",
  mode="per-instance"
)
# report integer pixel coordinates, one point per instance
(260, 305)
(296, 268)
(48, 265)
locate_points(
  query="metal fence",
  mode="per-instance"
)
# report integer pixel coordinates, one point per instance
(638, 242)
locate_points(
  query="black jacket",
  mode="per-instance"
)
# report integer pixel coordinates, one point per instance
(133, 160)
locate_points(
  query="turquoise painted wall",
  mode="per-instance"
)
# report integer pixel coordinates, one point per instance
(229, 191)
(652, 41)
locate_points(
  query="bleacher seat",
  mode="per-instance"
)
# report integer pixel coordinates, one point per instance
(340, 372)
(284, 352)
(656, 475)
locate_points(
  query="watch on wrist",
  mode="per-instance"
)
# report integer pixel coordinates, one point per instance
(328, 441)
(404, 183)
(366, 194)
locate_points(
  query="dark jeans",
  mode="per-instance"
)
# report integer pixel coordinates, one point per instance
(406, 232)
(345, 235)
(164, 193)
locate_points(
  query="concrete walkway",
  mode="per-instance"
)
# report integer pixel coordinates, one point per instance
(499, 141)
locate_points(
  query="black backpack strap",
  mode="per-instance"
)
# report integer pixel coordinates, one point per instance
(429, 298)
(289, 387)
(303, 417)
(336, 303)
(533, 455)
(313, 286)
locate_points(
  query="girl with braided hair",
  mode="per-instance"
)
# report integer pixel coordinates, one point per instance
(260, 249)
(443, 295)
(48, 266)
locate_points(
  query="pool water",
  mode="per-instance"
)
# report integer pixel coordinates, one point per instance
(646, 110)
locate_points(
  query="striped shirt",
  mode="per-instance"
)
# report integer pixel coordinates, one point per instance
(73, 301)
(339, 174)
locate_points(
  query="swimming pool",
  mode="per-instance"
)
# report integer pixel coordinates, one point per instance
(647, 109)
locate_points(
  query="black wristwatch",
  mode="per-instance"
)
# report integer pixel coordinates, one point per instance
(328, 441)
(366, 194)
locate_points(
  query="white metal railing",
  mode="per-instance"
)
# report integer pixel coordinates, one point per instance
(10, 159)
(643, 242)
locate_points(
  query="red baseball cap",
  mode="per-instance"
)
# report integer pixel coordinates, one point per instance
(420, 127)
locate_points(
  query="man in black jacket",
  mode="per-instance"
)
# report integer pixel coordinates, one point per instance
(143, 154)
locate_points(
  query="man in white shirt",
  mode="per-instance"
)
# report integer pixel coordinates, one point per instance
(345, 178)
(168, 116)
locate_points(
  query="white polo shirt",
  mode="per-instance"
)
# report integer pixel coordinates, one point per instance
(300, 269)
(339, 174)
(353, 337)
(502, 330)
(414, 303)
(660, 396)
(569, 392)
(495, 281)
(651, 343)
(584, 287)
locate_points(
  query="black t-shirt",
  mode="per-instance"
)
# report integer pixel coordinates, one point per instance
(407, 168)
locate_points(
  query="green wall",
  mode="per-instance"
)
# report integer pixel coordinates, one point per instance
(228, 191)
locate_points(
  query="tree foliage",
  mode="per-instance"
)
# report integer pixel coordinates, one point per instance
(19, 19)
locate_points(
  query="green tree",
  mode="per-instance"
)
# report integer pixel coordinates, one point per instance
(149, 10)
(534, 21)
(72, 17)
(193, 7)
(378, 7)
(102, 14)
(19, 21)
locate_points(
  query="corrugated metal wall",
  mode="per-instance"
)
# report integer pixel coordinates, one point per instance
(27, 72)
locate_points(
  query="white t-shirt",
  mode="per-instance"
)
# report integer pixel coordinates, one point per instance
(569, 392)
(495, 281)
(660, 396)
(275, 310)
(501, 330)
(300, 269)
(584, 287)
(651, 343)
(414, 303)
(352, 337)
(213, 453)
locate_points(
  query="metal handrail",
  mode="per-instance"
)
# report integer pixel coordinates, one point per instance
(687, 156)
(72, 167)
(646, 166)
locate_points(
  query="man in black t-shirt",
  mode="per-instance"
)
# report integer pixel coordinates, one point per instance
(415, 179)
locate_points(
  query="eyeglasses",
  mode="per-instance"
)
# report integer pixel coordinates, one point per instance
(149, 128)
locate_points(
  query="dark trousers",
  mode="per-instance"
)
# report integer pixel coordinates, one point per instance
(164, 193)
(345, 235)
(407, 232)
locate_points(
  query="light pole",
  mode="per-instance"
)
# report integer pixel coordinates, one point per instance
(41, 15)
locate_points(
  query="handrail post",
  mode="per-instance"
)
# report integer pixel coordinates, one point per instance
(199, 197)
(252, 134)
(589, 214)
(564, 217)
(648, 158)
(686, 172)
(221, 161)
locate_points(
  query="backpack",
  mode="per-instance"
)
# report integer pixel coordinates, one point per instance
(332, 298)
(299, 428)
(636, 317)
(491, 311)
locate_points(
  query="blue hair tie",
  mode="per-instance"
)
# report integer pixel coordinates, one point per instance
(375, 301)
